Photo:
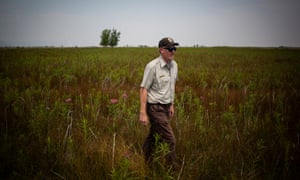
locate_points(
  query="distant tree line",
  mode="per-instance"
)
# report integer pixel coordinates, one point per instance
(110, 37)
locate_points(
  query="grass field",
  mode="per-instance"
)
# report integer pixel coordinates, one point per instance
(72, 113)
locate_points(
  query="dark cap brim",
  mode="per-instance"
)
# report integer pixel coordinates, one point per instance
(171, 45)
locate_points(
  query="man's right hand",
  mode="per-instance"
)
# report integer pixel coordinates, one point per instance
(144, 118)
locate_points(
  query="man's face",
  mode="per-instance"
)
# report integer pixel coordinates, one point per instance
(167, 53)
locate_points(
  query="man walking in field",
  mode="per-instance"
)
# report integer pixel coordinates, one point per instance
(157, 100)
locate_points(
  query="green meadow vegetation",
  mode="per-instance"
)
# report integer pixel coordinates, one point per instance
(72, 113)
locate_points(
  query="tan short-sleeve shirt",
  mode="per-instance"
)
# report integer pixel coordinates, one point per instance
(159, 79)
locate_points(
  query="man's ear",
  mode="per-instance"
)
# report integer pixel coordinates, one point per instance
(159, 50)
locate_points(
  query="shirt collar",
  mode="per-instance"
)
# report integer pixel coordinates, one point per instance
(163, 63)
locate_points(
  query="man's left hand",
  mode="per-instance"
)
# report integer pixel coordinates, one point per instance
(171, 114)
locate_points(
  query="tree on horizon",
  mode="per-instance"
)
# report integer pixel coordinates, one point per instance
(110, 37)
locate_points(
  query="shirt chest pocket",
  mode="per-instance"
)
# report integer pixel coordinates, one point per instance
(164, 80)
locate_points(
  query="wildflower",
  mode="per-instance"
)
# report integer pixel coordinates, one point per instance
(114, 101)
(125, 95)
(68, 100)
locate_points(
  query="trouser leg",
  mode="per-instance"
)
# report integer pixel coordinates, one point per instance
(160, 126)
(148, 148)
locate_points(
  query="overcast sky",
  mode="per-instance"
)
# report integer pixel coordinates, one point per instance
(145, 22)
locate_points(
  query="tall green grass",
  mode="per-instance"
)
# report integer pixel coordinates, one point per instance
(72, 113)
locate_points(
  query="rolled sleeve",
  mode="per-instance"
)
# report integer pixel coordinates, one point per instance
(148, 77)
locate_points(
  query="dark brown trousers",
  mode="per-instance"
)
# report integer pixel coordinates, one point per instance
(160, 125)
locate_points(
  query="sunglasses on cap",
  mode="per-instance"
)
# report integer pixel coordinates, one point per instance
(171, 49)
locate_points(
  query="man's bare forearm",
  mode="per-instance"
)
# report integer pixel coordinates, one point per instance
(143, 100)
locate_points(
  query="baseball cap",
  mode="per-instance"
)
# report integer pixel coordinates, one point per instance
(167, 42)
